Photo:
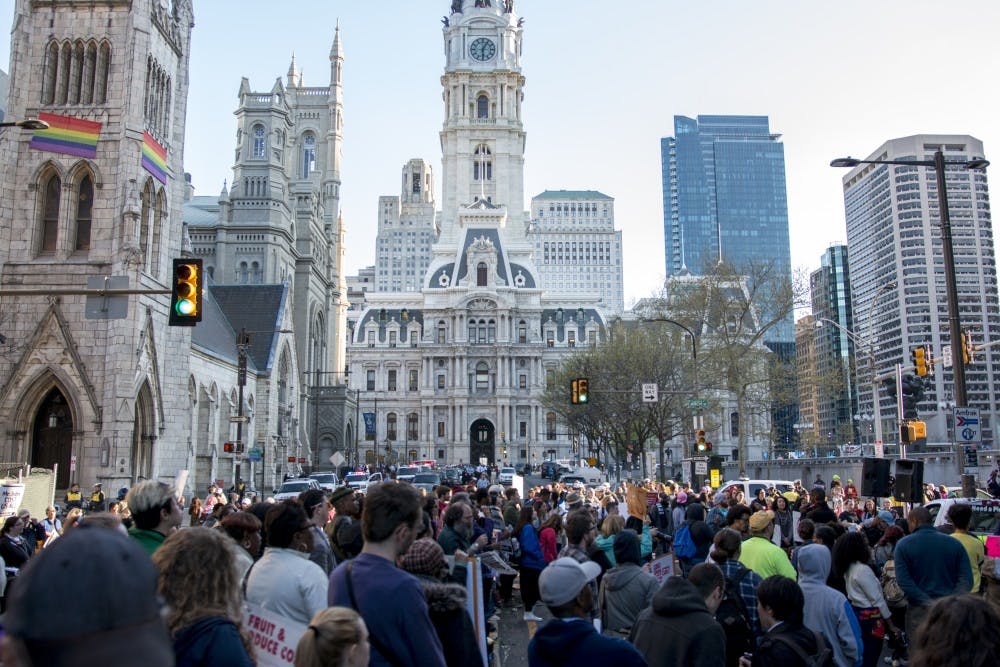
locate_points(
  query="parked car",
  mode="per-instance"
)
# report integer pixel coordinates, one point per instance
(293, 487)
(361, 480)
(506, 476)
(985, 514)
(406, 473)
(453, 476)
(327, 480)
(522, 468)
(427, 481)
(956, 492)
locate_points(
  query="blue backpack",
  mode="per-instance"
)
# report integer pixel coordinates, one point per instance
(683, 544)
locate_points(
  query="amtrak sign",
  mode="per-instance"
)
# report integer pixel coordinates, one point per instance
(967, 425)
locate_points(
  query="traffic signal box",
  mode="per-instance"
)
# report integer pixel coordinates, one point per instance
(578, 391)
(701, 445)
(186, 293)
(911, 431)
(919, 355)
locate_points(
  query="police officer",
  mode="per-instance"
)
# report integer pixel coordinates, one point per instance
(97, 501)
(74, 499)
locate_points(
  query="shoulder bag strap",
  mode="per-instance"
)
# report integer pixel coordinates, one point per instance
(799, 651)
(379, 646)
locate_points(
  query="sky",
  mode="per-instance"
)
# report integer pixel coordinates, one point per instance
(603, 83)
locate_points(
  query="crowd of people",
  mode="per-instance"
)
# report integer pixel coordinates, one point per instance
(804, 577)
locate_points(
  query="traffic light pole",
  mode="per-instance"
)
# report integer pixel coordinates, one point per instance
(242, 343)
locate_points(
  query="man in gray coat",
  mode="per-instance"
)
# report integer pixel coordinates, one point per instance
(626, 589)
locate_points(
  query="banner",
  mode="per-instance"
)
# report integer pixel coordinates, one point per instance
(369, 423)
(662, 567)
(69, 136)
(275, 638)
(11, 495)
(154, 157)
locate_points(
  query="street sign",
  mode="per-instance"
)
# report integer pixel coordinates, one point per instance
(698, 403)
(650, 393)
(946, 356)
(239, 419)
(716, 477)
(701, 467)
(971, 459)
(107, 307)
(255, 455)
(967, 425)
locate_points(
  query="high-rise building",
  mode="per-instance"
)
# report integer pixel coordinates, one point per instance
(406, 231)
(806, 379)
(577, 249)
(834, 349)
(898, 276)
(724, 200)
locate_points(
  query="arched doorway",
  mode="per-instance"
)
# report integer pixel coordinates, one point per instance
(142, 435)
(482, 442)
(52, 436)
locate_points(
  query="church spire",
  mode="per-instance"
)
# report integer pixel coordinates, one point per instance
(336, 51)
(293, 73)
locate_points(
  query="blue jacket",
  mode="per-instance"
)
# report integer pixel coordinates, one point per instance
(576, 642)
(827, 610)
(531, 549)
(211, 642)
(931, 565)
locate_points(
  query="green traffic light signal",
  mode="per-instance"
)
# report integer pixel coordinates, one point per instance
(582, 389)
(186, 293)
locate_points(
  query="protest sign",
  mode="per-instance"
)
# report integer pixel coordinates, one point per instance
(274, 637)
(662, 567)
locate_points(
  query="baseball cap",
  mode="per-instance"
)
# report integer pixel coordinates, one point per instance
(760, 520)
(564, 578)
(65, 613)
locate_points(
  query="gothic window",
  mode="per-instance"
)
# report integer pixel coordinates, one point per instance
(308, 155)
(101, 77)
(255, 273)
(244, 270)
(258, 141)
(412, 426)
(146, 220)
(51, 70)
(50, 212)
(481, 274)
(413, 379)
(390, 426)
(550, 426)
(317, 344)
(76, 74)
(482, 107)
(159, 213)
(84, 209)
(482, 377)
(370, 381)
(65, 60)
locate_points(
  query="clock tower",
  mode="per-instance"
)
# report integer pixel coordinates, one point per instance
(482, 139)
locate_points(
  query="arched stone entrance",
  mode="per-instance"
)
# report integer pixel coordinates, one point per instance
(143, 435)
(482, 442)
(52, 436)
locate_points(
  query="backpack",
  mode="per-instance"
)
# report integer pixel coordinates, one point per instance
(823, 656)
(894, 596)
(683, 544)
(734, 617)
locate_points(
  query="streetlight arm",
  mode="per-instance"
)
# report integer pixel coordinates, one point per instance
(27, 124)
(694, 338)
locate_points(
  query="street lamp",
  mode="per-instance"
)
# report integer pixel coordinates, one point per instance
(955, 324)
(27, 124)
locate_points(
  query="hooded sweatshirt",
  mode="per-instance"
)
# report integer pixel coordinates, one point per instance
(628, 589)
(827, 610)
(677, 629)
(210, 641)
(574, 641)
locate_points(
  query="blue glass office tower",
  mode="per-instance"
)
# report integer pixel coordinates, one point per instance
(724, 199)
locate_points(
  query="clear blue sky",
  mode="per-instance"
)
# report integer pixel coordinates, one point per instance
(604, 80)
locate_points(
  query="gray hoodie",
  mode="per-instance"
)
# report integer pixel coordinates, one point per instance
(627, 589)
(827, 610)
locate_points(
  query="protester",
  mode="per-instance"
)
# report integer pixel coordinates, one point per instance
(51, 524)
(738, 518)
(819, 511)
(610, 527)
(929, 565)
(960, 516)
(244, 529)
(532, 561)
(827, 610)
(390, 600)
(345, 529)
(783, 521)
(335, 636)
(14, 548)
(627, 588)
(204, 604)
(91, 583)
(851, 557)
(549, 537)
(284, 580)
(679, 627)
(155, 512)
(318, 510)
(787, 642)
(445, 602)
(581, 531)
(960, 631)
(570, 637)
(744, 581)
(762, 555)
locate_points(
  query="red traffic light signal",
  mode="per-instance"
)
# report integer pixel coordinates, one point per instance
(186, 293)
(228, 447)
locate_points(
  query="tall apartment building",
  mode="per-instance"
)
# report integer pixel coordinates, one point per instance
(406, 231)
(837, 399)
(577, 249)
(806, 373)
(724, 199)
(893, 237)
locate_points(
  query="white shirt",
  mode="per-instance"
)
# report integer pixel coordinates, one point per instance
(286, 582)
(864, 589)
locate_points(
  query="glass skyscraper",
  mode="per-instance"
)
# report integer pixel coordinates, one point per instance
(724, 199)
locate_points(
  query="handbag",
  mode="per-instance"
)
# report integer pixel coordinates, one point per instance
(894, 595)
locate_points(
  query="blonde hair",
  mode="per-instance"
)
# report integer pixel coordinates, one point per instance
(330, 635)
(198, 579)
(612, 525)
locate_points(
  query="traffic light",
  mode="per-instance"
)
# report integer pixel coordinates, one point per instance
(913, 393)
(574, 392)
(919, 355)
(582, 388)
(228, 447)
(912, 431)
(708, 446)
(929, 359)
(186, 293)
(967, 348)
(701, 444)
(889, 384)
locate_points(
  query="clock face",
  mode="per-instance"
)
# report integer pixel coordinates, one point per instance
(482, 49)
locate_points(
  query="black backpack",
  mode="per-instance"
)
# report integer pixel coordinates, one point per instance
(734, 617)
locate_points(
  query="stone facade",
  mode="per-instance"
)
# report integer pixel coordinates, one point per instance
(406, 231)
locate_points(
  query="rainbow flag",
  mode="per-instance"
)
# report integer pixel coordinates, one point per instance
(154, 157)
(70, 136)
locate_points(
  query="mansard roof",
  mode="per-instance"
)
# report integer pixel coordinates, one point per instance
(260, 309)
(215, 335)
(383, 317)
(572, 195)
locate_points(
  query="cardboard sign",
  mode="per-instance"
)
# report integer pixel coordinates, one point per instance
(11, 496)
(662, 567)
(474, 603)
(275, 637)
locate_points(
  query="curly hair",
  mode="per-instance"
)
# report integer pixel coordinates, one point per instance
(849, 548)
(960, 631)
(197, 579)
(332, 632)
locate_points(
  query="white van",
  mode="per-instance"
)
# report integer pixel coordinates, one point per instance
(586, 474)
(749, 487)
